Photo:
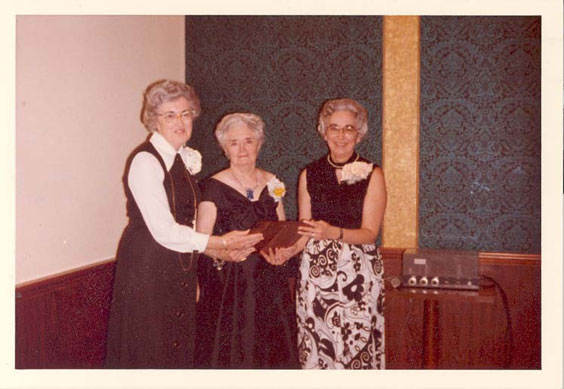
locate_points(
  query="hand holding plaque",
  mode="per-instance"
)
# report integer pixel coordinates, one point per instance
(277, 234)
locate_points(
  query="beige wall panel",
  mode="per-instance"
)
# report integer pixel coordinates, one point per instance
(400, 123)
(79, 86)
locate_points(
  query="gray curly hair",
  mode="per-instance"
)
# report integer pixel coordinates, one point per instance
(254, 122)
(163, 91)
(331, 106)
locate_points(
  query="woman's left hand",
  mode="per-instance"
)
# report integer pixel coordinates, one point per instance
(279, 256)
(317, 229)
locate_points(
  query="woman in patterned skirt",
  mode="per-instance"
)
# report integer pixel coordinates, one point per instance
(340, 294)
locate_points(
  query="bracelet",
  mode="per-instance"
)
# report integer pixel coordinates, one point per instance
(224, 242)
(340, 234)
(216, 262)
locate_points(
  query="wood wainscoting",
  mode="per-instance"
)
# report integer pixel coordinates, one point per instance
(61, 321)
(496, 329)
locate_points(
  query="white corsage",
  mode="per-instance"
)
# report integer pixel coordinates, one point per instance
(276, 188)
(355, 171)
(192, 160)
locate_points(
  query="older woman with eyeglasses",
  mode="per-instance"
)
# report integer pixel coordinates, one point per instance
(155, 288)
(340, 292)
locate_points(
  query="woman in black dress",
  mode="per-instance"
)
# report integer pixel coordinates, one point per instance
(153, 304)
(246, 318)
(340, 292)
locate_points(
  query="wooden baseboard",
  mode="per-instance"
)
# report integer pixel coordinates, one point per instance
(61, 321)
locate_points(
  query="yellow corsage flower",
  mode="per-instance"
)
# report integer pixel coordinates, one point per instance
(276, 188)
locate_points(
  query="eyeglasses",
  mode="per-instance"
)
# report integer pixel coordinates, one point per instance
(170, 116)
(348, 131)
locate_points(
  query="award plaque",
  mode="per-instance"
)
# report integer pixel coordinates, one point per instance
(277, 234)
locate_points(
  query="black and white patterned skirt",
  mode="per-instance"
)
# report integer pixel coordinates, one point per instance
(340, 298)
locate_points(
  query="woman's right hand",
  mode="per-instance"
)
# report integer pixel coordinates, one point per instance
(235, 255)
(240, 239)
(318, 230)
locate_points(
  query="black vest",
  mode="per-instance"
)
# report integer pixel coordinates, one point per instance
(180, 186)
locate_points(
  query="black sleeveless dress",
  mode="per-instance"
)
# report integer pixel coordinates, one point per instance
(340, 292)
(152, 316)
(246, 317)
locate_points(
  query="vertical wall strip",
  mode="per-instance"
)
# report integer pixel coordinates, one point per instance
(400, 129)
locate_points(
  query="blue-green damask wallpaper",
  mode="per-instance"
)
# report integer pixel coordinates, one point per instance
(282, 68)
(480, 150)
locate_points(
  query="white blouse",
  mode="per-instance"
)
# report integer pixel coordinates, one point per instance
(146, 184)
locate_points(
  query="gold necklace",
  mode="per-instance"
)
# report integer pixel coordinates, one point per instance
(195, 252)
(340, 166)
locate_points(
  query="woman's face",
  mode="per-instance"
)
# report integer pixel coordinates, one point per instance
(241, 145)
(341, 135)
(174, 121)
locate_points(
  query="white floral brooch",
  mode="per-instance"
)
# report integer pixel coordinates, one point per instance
(192, 160)
(276, 188)
(355, 171)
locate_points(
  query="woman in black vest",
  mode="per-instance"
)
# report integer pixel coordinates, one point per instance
(155, 288)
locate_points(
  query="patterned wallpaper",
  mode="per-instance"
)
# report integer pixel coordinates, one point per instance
(480, 141)
(282, 68)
